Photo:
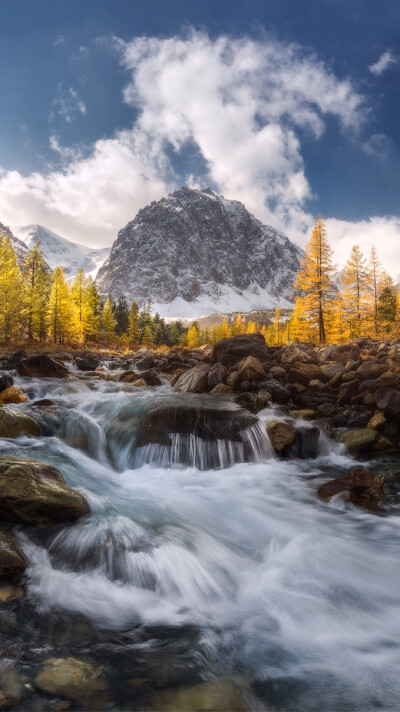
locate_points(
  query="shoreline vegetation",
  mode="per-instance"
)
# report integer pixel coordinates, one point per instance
(40, 307)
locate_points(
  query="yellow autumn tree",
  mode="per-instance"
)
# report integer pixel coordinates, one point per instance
(277, 326)
(134, 331)
(37, 284)
(372, 295)
(224, 331)
(355, 287)
(238, 327)
(60, 312)
(83, 315)
(315, 282)
(193, 337)
(251, 327)
(11, 302)
(108, 321)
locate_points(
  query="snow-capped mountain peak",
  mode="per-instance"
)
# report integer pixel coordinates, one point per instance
(58, 251)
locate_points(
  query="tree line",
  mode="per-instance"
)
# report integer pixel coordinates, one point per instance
(41, 305)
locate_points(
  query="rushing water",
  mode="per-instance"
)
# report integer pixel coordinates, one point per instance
(184, 574)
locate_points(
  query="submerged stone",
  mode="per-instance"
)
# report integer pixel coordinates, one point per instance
(14, 424)
(75, 679)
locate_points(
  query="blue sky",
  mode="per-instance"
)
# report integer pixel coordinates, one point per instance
(291, 106)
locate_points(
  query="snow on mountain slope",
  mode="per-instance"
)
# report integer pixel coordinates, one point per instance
(58, 250)
(19, 246)
(195, 253)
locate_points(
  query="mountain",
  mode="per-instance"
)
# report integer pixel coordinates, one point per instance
(195, 253)
(58, 250)
(19, 247)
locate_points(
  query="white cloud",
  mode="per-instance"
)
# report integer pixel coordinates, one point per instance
(66, 105)
(378, 145)
(385, 60)
(381, 232)
(240, 105)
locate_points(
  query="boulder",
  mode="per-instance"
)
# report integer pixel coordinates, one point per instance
(325, 410)
(139, 383)
(217, 374)
(306, 443)
(233, 380)
(231, 351)
(78, 680)
(377, 421)
(36, 493)
(348, 391)
(146, 362)
(150, 377)
(5, 382)
(12, 394)
(193, 381)
(358, 439)
(41, 366)
(14, 424)
(221, 389)
(219, 696)
(281, 434)
(297, 376)
(369, 370)
(10, 592)
(205, 418)
(279, 394)
(388, 401)
(12, 362)
(12, 559)
(329, 370)
(345, 352)
(128, 376)
(87, 363)
(303, 353)
(303, 414)
(250, 369)
(359, 487)
(254, 402)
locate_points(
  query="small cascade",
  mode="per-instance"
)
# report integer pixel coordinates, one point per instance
(205, 454)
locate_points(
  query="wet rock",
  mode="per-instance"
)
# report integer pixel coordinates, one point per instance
(388, 400)
(221, 389)
(5, 382)
(42, 366)
(305, 414)
(377, 421)
(12, 559)
(281, 434)
(128, 377)
(358, 439)
(150, 377)
(35, 493)
(254, 402)
(193, 381)
(325, 410)
(383, 443)
(359, 486)
(233, 380)
(139, 383)
(279, 393)
(217, 374)
(262, 400)
(231, 351)
(43, 402)
(206, 419)
(306, 443)
(146, 362)
(250, 369)
(86, 363)
(75, 679)
(345, 352)
(12, 394)
(10, 592)
(14, 424)
(221, 696)
(12, 362)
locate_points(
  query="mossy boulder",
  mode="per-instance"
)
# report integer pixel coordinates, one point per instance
(35, 493)
(358, 439)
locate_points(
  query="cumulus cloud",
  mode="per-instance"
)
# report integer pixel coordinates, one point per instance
(381, 232)
(384, 62)
(241, 106)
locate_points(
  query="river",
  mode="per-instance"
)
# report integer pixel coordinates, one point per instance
(183, 574)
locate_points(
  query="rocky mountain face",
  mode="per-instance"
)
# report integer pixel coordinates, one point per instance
(194, 252)
(19, 247)
(58, 250)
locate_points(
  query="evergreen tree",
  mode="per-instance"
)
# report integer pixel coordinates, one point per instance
(121, 316)
(387, 306)
(94, 310)
(60, 311)
(147, 336)
(37, 285)
(315, 282)
(355, 288)
(10, 290)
